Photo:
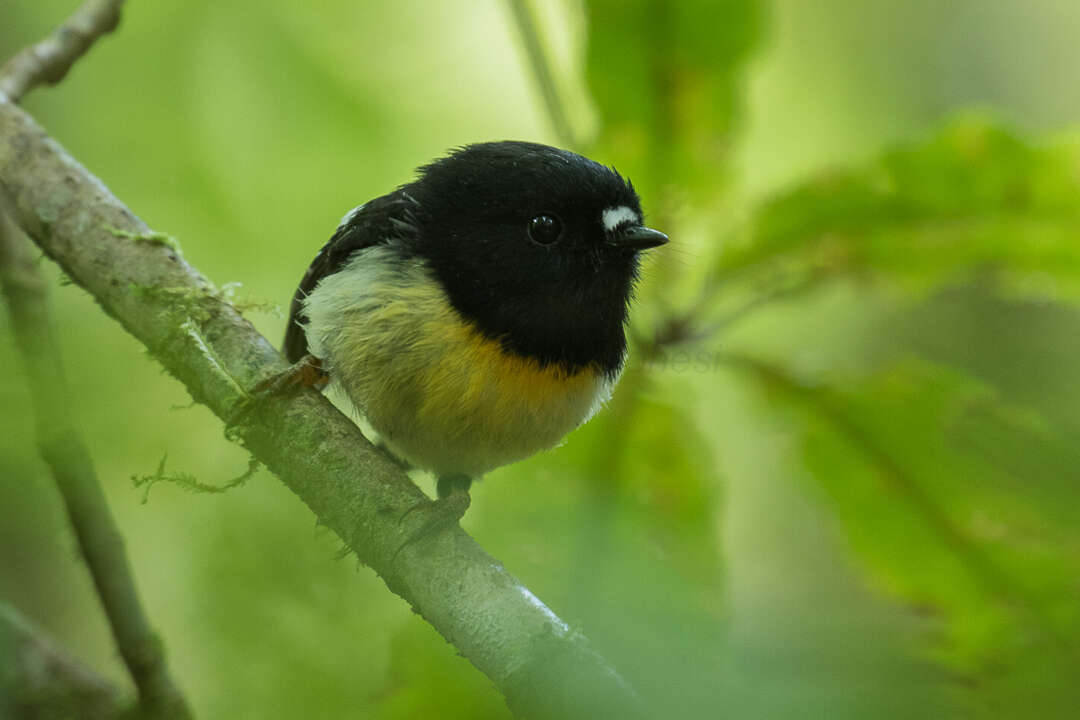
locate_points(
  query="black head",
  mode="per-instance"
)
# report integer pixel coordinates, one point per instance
(535, 245)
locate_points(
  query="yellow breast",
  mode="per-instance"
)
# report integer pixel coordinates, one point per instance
(441, 395)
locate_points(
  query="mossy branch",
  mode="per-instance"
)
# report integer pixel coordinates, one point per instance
(62, 448)
(545, 669)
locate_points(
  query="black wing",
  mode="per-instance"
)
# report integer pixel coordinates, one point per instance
(374, 223)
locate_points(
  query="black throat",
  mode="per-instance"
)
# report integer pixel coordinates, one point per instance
(573, 321)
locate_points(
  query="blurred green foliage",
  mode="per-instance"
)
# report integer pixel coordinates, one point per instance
(973, 200)
(672, 127)
(850, 492)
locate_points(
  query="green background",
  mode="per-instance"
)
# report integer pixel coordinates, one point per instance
(854, 494)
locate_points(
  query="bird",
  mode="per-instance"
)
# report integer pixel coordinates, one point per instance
(477, 315)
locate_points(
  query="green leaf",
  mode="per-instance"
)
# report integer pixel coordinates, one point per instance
(966, 507)
(973, 201)
(666, 78)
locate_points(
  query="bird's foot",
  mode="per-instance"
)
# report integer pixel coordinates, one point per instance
(305, 373)
(441, 514)
(447, 485)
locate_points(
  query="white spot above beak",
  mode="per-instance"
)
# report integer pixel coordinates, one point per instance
(616, 217)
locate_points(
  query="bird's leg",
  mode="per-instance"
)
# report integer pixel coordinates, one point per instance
(306, 372)
(447, 485)
(445, 512)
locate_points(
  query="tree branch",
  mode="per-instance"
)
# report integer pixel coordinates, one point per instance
(63, 449)
(48, 61)
(39, 680)
(543, 667)
(60, 443)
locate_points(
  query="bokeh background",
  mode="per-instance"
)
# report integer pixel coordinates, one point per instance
(845, 482)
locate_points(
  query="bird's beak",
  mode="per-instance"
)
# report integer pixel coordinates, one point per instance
(638, 237)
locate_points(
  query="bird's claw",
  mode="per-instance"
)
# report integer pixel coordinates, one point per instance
(439, 514)
(305, 373)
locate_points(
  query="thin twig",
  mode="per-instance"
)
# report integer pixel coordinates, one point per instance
(689, 326)
(40, 680)
(764, 298)
(48, 61)
(541, 68)
(63, 449)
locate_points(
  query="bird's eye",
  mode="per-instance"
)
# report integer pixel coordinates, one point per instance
(545, 229)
